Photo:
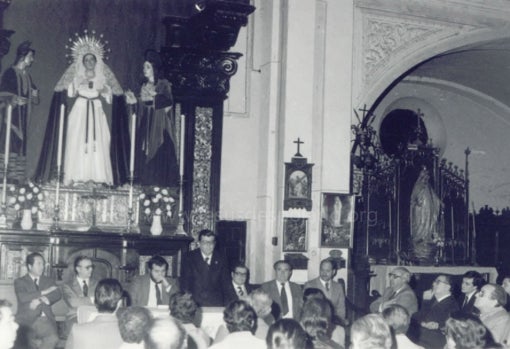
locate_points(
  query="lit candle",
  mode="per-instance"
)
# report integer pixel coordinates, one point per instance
(181, 159)
(8, 136)
(60, 136)
(124, 253)
(132, 151)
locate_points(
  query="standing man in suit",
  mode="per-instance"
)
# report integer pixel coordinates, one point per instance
(438, 303)
(205, 272)
(80, 290)
(35, 294)
(331, 289)
(399, 292)
(472, 282)
(286, 294)
(103, 331)
(153, 288)
(238, 288)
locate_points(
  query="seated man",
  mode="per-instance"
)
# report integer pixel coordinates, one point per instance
(399, 292)
(491, 301)
(472, 282)
(80, 290)
(241, 321)
(103, 331)
(8, 327)
(154, 288)
(438, 303)
(36, 293)
(134, 324)
(238, 288)
(398, 318)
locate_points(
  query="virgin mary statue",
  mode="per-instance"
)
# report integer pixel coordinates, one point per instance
(91, 151)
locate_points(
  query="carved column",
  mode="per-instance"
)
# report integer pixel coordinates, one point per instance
(5, 34)
(199, 66)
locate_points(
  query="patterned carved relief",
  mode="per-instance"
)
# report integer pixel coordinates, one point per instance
(201, 215)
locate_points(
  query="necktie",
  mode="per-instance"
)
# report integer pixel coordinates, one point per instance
(85, 289)
(327, 286)
(240, 291)
(465, 302)
(285, 302)
(36, 284)
(158, 295)
(207, 260)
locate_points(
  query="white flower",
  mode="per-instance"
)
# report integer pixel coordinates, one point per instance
(166, 199)
(17, 207)
(158, 211)
(142, 196)
(155, 200)
(21, 198)
(168, 207)
(35, 190)
(164, 192)
(159, 196)
(146, 202)
(156, 189)
(40, 196)
(12, 200)
(22, 190)
(12, 188)
(172, 200)
(147, 211)
(30, 196)
(34, 209)
(40, 204)
(169, 213)
(30, 184)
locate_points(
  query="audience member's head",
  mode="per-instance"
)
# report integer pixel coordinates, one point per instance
(261, 302)
(183, 307)
(134, 323)
(397, 317)
(108, 295)
(371, 332)
(466, 331)
(83, 267)
(399, 277)
(287, 334)
(489, 297)
(442, 286)
(316, 316)
(35, 264)
(313, 293)
(165, 333)
(240, 274)
(327, 269)
(8, 327)
(472, 281)
(206, 241)
(506, 284)
(158, 267)
(239, 316)
(283, 270)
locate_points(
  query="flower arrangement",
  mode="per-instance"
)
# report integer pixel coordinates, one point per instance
(156, 201)
(26, 197)
(439, 241)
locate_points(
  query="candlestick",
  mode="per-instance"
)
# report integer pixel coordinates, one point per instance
(124, 253)
(8, 135)
(132, 150)
(60, 136)
(181, 156)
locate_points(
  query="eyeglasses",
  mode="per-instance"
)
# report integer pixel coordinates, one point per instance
(240, 273)
(395, 276)
(207, 242)
(88, 267)
(437, 281)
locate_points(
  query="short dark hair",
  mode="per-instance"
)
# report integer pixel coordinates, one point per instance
(282, 261)
(478, 280)
(183, 307)
(134, 323)
(157, 260)
(312, 292)
(78, 259)
(316, 317)
(240, 316)
(31, 258)
(330, 261)
(239, 265)
(207, 233)
(107, 296)
(287, 333)
(88, 54)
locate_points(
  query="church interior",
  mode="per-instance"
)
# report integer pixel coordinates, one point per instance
(304, 130)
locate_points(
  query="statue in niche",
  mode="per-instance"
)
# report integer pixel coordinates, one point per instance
(425, 216)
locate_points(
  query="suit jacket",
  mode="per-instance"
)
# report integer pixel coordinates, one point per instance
(469, 307)
(404, 297)
(102, 332)
(439, 312)
(139, 290)
(73, 295)
(335, 294)
(206, 282)
(231, 293)
(26, 292)
(296, 293)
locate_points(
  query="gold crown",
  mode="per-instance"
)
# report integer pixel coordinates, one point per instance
(87, 43)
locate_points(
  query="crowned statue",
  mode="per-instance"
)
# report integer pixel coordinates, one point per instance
(93, 103)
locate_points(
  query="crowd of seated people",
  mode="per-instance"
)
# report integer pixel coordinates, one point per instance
(157, 311)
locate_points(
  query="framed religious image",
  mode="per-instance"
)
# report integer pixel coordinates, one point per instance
(337, 218)
(294, 234)
(298, 184)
